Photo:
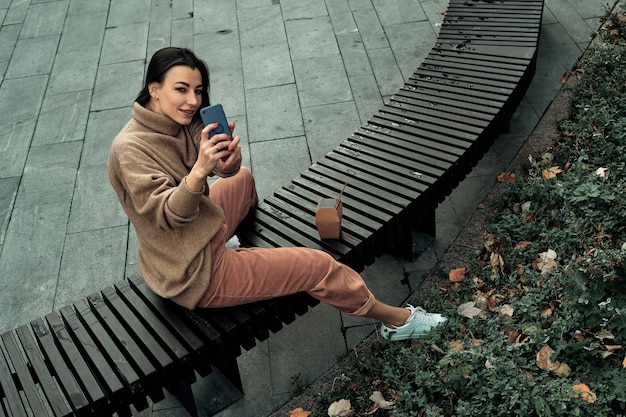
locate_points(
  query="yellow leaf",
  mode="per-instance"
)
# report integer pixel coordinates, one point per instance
(456, 345)
(584, 392)
(624, 362)
(551, 172)
(507, 177)
(457, 275)
(299, 412)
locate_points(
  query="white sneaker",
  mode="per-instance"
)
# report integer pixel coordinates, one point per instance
(418, 324)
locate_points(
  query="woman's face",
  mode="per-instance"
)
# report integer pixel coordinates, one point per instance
(179, 95)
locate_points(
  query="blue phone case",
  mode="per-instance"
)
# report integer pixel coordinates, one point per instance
(213, 114)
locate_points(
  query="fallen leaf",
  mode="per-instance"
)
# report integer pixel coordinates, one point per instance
(456, 345)
(543, 359)
(507, 177)
(299, 412)
(457, 275)
(602, 172)
(547, 158)
(545, 261)
(378, 398)
(341, 408)
(564, 78)
(584, 392)
(523, 245)
(624, 362)
(506, 310)
(469, 310)
(551, 172)
(497, 262)
(545, 362)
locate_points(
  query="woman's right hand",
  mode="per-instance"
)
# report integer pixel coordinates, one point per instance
(210, 152)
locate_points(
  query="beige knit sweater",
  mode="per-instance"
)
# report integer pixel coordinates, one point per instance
(148, 162)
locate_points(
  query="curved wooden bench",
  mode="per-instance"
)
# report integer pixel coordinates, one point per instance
(124, 344)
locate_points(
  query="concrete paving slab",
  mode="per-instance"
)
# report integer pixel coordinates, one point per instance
(83, 31)
(74, 70)
(63, 118)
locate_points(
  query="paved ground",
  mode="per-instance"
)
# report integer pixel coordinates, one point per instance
(297, 75)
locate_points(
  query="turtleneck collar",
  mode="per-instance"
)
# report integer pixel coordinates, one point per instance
(155, 121)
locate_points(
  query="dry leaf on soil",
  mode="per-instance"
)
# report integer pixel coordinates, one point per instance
(378, 398)
(507, 177)
(457, 275)
(299, 412)
(545, 362)
(470, 310)
(551, 172)
(545, 261)
(341, 408)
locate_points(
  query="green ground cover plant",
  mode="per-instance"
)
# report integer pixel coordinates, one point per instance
(537, 321)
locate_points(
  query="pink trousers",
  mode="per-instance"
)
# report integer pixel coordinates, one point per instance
(246, 275)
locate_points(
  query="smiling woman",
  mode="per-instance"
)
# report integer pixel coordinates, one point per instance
(158, 166)
(179, 96)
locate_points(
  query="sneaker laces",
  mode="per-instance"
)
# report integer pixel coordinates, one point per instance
(423, 316)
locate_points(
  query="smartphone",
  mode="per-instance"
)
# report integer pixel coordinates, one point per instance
(215, 114)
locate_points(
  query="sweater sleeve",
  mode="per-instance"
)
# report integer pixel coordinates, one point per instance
(150, 190)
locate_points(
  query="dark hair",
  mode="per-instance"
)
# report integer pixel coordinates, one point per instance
(160, 64)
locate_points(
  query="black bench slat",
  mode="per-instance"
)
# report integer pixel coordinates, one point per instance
(354, 199)
(402, 168)
(433, 98)
(262, 237)
(439, 127)
(123, 366)
(366, 197)
(520, 55)
(76, 363)
(164, 335)
(458, 77)
(348, 226)
(379, 176)
(401, 164)
(170, 316)
(2, 411)
(453, 62)
(304, 223)
(126, 343)
(10, 390)
(471, 93)
(54, 396)
(387, 231)
(358, 182)
(100, 367)
(180, 372)
(139, 332)
(434, 116)
(73, 392)
(279, 223)
(369, 229)
(396, 128)
(23, 374)
(383, 139)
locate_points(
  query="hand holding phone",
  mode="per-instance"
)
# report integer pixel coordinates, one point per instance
(215, 114)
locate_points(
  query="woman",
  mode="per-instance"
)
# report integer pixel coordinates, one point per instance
(158, 166)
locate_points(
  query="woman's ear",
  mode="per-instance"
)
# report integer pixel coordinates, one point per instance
(153, 89)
